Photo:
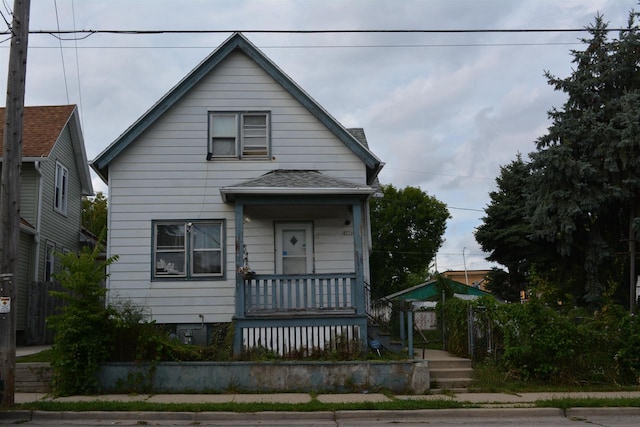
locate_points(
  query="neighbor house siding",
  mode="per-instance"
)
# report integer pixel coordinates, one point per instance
(62, 230)
(25, 254)
(29, 192)
(164, 175)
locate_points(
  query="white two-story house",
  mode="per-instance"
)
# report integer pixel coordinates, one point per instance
(237, 198)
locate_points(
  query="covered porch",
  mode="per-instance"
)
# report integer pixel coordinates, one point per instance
(301, 260)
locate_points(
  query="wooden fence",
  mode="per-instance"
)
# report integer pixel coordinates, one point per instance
(41, 305)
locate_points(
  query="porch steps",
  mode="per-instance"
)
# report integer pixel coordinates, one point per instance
(448, 372)
(33, 377)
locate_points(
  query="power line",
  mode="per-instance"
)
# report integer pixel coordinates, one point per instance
(334, 31)
(465, 209)
(345, 46)
(441, 174)
(64, 70)
(73, 14)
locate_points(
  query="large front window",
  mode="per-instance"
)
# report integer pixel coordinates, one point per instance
(239, 135)
(188, 249)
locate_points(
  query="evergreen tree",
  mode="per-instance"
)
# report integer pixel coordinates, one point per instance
(586, 173)
(505, 231)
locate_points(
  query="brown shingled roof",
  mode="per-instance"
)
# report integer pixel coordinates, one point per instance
(42, 127)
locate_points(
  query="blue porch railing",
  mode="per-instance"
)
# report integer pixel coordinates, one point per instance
(296, 295)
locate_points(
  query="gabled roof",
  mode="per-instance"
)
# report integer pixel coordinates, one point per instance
(286, 182)
(236, 42)
(42, 126)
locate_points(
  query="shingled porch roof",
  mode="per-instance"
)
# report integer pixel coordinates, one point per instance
(295, 182)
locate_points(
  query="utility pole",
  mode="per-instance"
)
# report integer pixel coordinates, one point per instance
(10, 198)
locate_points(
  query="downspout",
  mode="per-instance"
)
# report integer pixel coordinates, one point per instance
(36, 238)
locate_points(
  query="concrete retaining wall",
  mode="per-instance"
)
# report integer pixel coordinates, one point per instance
(258, 377)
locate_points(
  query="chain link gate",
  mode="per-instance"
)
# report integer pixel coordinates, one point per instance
(479, 333)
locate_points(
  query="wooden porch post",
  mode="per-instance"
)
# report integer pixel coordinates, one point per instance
(239, 223)
(359, 264)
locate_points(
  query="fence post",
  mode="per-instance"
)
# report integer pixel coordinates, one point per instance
(470, 332)
(410, 332)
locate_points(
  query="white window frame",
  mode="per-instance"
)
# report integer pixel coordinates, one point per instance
(49, 261)
(61, 190)
(188, 250)
(244, 135)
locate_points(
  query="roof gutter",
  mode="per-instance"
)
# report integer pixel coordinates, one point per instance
(293, 191)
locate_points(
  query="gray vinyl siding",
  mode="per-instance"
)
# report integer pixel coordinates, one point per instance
(164, 175)
(25, 254)
(62, 230)
(29, 195)
(28, 209)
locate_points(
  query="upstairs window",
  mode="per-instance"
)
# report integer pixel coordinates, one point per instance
(61, 189)
(238, 135)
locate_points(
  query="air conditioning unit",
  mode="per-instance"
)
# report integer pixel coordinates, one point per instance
(195, 334)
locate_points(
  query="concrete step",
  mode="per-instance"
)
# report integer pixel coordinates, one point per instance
(448, 372)
(450, 364)
(438, 374)
(450, 383)
(33, 377)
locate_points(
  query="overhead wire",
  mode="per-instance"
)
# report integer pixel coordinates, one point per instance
(73, 14)
(64, 69)
(6, 21)
(333, 31)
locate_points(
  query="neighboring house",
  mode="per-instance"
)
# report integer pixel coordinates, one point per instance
(54, 177)
(237, 198)
(424, 297)
(430, 291)
(475, 278)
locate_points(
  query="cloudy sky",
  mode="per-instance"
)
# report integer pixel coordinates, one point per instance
(442, 110)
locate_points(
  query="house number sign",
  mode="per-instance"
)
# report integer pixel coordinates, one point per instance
(5, 304)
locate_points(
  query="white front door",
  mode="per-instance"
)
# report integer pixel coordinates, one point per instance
(294, 248)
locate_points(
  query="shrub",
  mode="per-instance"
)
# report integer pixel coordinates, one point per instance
(538, 342)
(82, 328)
(534, 342)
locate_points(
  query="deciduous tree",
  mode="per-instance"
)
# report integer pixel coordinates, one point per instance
(94, 214)
(407, 230)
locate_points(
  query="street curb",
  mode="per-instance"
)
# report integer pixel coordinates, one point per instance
(15, 415)
(418, 414)
(583, 412)
(163, 416)
(447, 413)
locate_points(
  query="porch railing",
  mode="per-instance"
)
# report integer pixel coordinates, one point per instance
(291, 295)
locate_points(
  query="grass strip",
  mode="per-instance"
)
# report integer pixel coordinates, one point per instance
(313, 406)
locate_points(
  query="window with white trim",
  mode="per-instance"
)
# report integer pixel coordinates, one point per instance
(61, 193)
(49, 262)
(188, 249)
(239, 135)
